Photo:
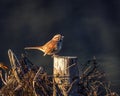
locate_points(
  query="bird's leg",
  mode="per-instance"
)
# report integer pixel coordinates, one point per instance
(54, 55)
(44, 54)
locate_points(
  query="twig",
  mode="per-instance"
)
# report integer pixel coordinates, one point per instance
(71, 85)
(71, 66)
(15, 69)
(40, 70)
(1, 76)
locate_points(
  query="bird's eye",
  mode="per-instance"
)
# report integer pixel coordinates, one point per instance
(56, 38)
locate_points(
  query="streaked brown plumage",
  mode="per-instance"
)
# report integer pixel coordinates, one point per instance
(51, 47)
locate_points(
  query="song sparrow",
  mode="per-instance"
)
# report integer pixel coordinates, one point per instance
(51, 47)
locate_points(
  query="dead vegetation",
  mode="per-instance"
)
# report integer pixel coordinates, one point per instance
(27, 79)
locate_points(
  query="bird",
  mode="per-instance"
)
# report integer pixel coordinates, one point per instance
(52, 47)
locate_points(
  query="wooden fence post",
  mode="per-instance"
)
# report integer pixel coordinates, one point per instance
(66, 76)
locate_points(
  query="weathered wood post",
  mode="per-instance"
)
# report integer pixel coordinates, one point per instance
(66, 76)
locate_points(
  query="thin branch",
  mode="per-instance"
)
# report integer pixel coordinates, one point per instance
(1, 76)
(12, 58)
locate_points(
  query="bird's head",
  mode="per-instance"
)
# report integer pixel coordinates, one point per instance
(58, 37)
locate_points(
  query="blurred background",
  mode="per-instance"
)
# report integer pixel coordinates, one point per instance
(91, 28)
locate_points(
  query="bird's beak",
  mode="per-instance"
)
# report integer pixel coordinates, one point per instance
(62, 36)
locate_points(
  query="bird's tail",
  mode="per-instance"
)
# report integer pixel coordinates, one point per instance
(34, 48)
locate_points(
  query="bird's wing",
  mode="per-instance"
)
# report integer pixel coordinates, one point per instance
(50, 46)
